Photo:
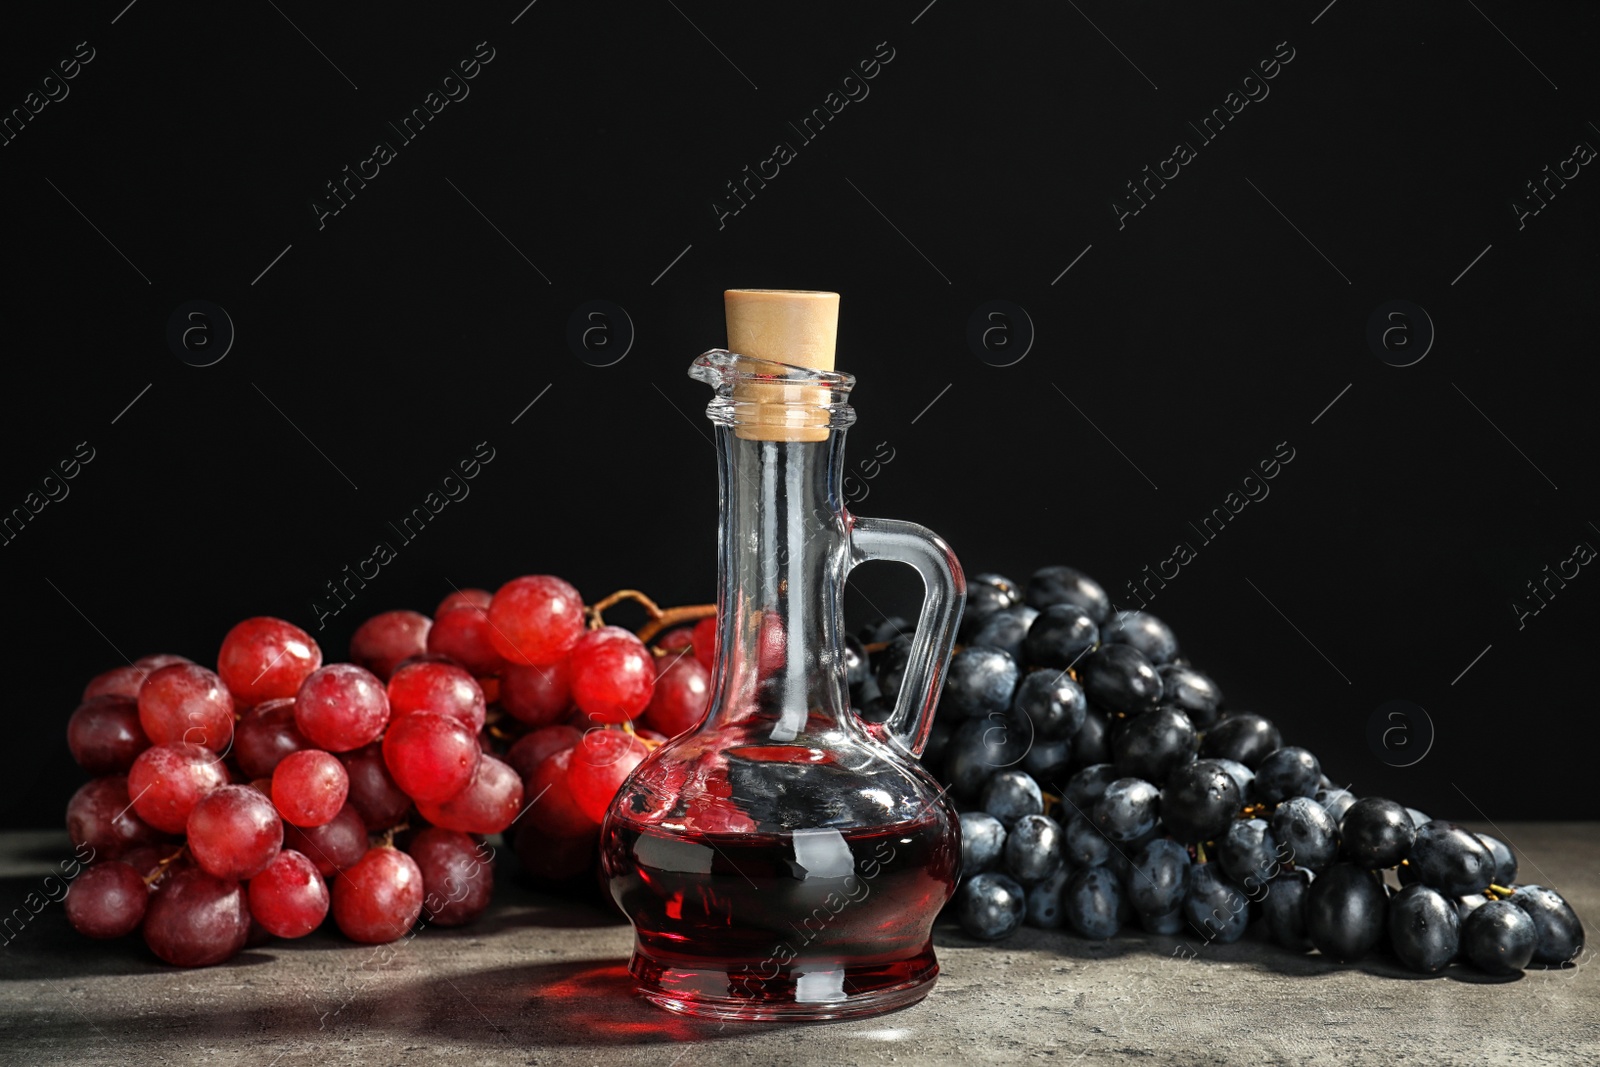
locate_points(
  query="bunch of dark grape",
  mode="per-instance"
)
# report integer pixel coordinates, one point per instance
(251, 801)
(1103, 782)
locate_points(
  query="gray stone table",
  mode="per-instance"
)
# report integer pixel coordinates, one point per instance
(541, 981)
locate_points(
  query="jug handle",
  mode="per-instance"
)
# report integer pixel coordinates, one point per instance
(944, 595)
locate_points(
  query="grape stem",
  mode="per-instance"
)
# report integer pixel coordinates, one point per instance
(161, 866)
(1500, 890)
(660, 618)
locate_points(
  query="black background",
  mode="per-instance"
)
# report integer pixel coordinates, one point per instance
(1218, 322)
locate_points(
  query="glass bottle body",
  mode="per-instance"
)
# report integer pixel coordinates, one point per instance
(783, 860)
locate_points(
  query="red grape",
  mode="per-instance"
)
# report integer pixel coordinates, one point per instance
(532, 749)
(653, 736)
(234, 832)
(127, 681)
(681, 639)
(457, 878)
(147, 859)
(266, 659)
(341, 707)
(289, 897)
(489, 803)
(264, 736)
(196, 919)
(706, 632)
(464, 634)
(436, 687)
(309, 787)
(430, 756)
(100, 816)
(374, 795)
(186, 702)
(535, 619)
(554, 859)
(613, 675)
(334, 846)
(167, 781)
(107, 900)
(537, 696)
(383, 641)
(464, 598)
(379, 898)
(105, 736)
(600, 763)
(550, 794)
(682, 695)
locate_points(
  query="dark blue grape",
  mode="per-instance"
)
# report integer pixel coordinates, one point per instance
(1560, 933)
(857, 664)
(1214, 909)
(1060, 636)
(1033, 848)
(983, 842)
(887, 629)
(1092, 743)
(889, 667)
(1288, 772)
(1306, 829)
(1376, 833)
(1083, 844)
(1465, 905)
(1010, 795)
(1169, 924)
(1151, 746)
(1122, 852)
(1346, 909)
(1128, 809)
(1505, 863)
(1093, 903)
(938, 739)
(1242, 776)
(987, 594)
(1158, 877)
(979, 748)
(1005, 629)
(1248, 854)
(1499, 938)
(1420, 819)
(1043, 905)
(1067, 585)
(1451, 859)
(989, 906)
(1335, 801)
(1145, 632)
(1243, 737)
(1283, 910)
(1120, 678)
(1053, 702)
(1194, 693)
(875, 709)
(1199, 801)
(1424, 929)
(1088, 786)
(979, 681)
(1048, 761)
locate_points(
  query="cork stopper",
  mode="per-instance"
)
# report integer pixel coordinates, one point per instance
(794, 326)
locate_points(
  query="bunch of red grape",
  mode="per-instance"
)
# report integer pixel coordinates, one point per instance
(251, 801)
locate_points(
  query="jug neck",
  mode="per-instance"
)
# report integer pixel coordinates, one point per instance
(782, 557)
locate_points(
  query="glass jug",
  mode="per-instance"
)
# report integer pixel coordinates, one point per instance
(785, 860)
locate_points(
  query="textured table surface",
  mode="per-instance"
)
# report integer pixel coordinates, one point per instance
(541, 981)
